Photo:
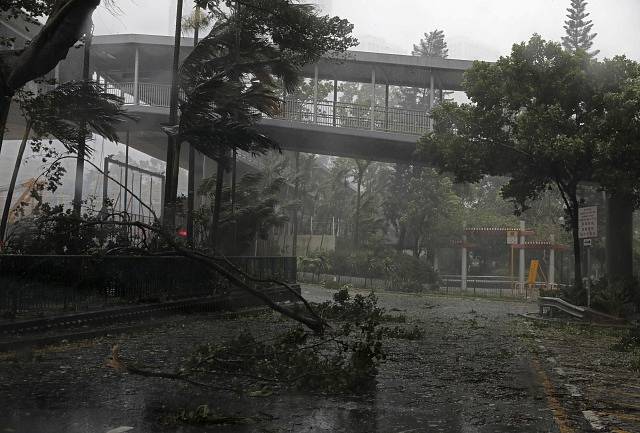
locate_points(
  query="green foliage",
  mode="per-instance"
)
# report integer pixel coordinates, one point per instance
(628, 342)
(401, 333)
(256, 211)
(403, 272)
(433, 45)
(614, 297)
(346, 360)
(543, 117)
(232, 76)
(202, 415)
(423, 209)
(55, 230)
(578, 29)
(73, 110)
(356, 308)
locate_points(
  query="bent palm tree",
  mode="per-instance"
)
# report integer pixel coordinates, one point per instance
(62, 114)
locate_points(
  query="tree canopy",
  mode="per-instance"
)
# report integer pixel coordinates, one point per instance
(544, 117)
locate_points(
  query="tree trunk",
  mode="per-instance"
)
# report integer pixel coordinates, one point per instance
(356, 230)
(401, 237)
(296, 194)
(217, 204)
(191, 194)
(619, 242)
(12, 184)
(173, 142)
(5, 106)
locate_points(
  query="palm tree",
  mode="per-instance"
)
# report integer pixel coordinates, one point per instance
(70, 113)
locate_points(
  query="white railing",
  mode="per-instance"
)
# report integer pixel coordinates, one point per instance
(355, 116)
(327, 113)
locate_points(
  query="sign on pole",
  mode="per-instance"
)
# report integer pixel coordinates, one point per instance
(512, 237)
(588, 222)
(587, 242)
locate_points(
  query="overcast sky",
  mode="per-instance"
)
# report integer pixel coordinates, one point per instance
(475, 29)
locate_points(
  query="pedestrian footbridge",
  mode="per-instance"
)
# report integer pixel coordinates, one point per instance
(138, 68)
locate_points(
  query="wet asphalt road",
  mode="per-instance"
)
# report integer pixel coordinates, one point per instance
(470, 373)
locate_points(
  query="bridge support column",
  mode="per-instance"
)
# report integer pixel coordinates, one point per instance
(136, 78)
(386, 108)
(373, 99)
(335, 101)
(125, 201)
(521, 267)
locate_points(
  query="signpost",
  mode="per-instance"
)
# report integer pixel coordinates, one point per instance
(588, 222)
(587, 230)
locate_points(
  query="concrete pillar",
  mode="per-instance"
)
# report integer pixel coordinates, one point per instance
(56, 73)
(431, 91)
(136, 78)
(552, 262)
(431, 95)
(521, 264)
(126, 170)
(335, 101)
(386, 107)
(463, 269)
(315, 95)
(373, 99)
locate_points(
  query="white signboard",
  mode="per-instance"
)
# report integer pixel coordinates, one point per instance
(587, 242)
(512, 237)
(588, 222)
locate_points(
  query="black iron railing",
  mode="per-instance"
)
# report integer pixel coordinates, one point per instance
(38, 285)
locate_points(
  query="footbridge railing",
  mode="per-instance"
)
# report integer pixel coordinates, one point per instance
(327, 113)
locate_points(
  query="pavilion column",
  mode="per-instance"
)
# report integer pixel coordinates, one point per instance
(431, 98)
(315, 95)
(521, 264)
(552, 263)
(373, 99)
(136, 78)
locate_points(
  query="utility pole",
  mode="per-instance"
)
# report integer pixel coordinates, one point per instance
(173, 143)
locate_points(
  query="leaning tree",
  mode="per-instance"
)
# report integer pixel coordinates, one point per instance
(67, 21)
(235, 75)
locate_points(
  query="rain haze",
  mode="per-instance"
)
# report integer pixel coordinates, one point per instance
(475, 29)
(420, 217)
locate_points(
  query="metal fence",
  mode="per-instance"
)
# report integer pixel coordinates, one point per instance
(481, 286)
(40, 285)
(485, 285)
